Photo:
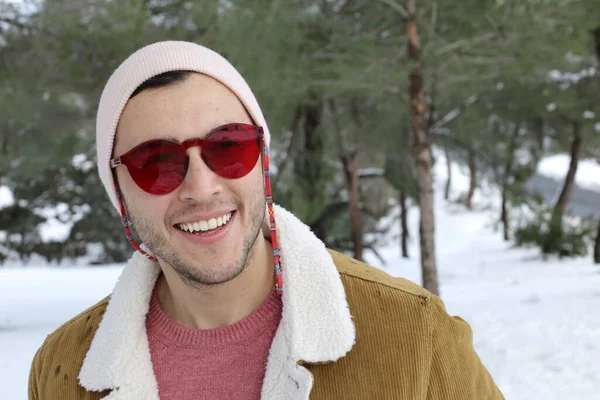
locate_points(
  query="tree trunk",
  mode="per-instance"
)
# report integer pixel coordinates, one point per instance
(507, 173)
(4, 143)
(537, 150)
(554, 234)
(421, 154)
(293, 129)
(449, 178)
(313, 146)
(596, 34)
(504, 215)
(567, 190)
(472, 179)
(3, 152)
(350, 164)
(432, 113)
(308, 168)
(597, 246)
(404, 225)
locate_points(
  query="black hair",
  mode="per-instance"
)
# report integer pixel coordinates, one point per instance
(164, 79)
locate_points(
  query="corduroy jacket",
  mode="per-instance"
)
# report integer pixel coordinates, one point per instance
(348, 331)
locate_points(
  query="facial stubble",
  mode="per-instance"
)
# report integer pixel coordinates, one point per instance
(196, 275)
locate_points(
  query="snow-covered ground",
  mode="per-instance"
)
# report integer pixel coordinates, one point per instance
(556, 166)
(536, 324)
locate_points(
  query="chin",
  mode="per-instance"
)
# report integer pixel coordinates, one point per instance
(202, 275)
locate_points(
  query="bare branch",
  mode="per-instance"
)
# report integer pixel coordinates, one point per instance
(434, 17)
(453, 114)
(398, 7)
(293, 129)
(376, 254)
(495, 25)
(344, 6)
(353, 85)
(321, 55)
(446, 119)
(466, 43)
(465, 78)
(24, 27)
(371, 173)
(15, 23)
(338, 127)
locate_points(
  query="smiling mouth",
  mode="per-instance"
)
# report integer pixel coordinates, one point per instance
(206, 227)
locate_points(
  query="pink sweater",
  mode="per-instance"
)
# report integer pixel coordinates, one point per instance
(222, 363)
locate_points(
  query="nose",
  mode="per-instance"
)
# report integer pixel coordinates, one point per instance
(200, 184)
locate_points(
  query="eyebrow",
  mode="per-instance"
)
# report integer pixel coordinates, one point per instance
(172, 138)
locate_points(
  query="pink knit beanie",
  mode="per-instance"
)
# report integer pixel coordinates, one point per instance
(147, 62)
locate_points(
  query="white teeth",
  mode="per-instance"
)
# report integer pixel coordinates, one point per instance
(206, 225)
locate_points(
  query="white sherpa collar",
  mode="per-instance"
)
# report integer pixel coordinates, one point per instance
(316, 325)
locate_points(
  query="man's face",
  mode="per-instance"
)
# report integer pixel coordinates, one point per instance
(185, 110)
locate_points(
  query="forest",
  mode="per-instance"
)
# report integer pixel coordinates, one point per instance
(361, 97)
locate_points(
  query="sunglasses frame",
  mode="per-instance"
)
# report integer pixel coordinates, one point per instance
(124, 158)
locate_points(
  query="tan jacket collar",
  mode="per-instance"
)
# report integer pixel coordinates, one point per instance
(316, 325)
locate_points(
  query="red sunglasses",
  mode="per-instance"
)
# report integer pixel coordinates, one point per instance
(159, 166)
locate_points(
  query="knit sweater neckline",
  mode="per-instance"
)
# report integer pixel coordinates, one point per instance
(168, 331)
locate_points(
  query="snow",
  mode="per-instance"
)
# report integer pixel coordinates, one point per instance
(81, 162)
(536, 324)
(559, 76)
(59, 220)
(364, 172)
(556, 167)
(53, 229)
(35, 301)
(7, 198)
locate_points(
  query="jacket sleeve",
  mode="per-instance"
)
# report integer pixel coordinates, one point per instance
(456, 372)
(33, 392)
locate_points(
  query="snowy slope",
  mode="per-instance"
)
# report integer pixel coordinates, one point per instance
(33, 302)
(556, 166)
(536, 325)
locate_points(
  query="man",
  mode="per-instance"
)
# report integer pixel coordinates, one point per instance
(230, 296)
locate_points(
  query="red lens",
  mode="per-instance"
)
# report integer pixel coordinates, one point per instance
(157, 167)
(232, 151)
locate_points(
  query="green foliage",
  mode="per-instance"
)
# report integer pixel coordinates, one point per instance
(570, 237)
(84, 207)
(331, 78)
(19, 225)
(401, 175)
